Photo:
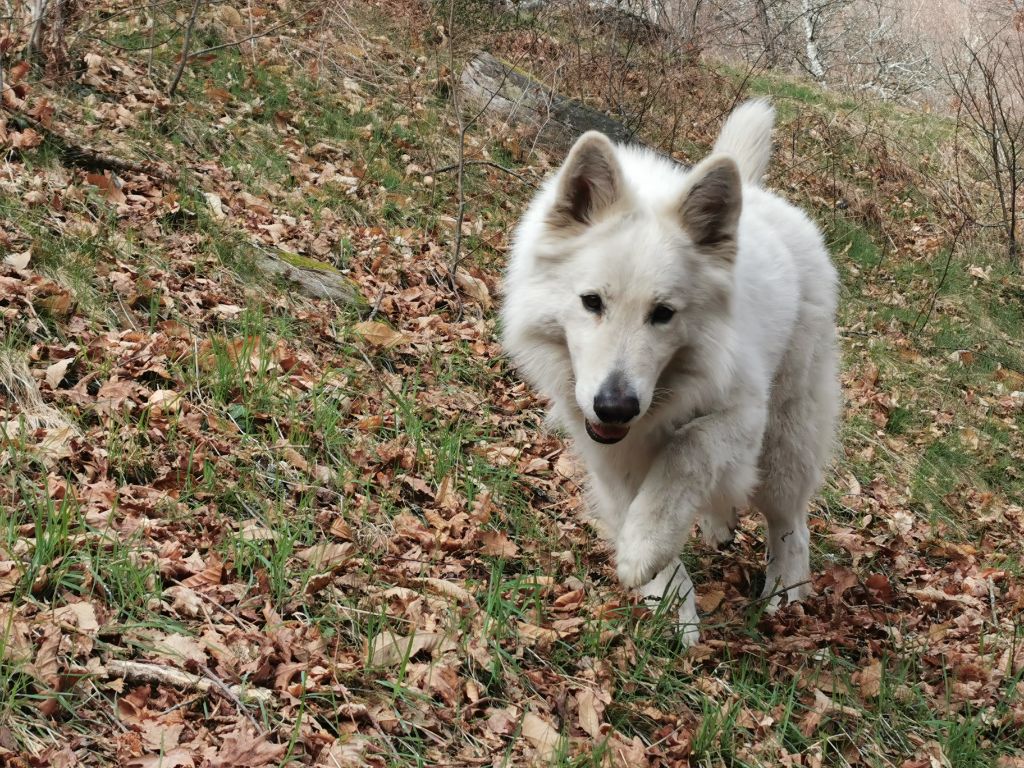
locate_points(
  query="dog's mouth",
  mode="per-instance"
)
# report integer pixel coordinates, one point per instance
(606, 433)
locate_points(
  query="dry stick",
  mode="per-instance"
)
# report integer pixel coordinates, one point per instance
(925, 314)
(155, 673)
(86, 157)
(464, 126)
(255, 36)
(59, 45)
(226, 691)
(461, 165)
(490, 163)
(185, 47)
(152, 39)
(35, 38)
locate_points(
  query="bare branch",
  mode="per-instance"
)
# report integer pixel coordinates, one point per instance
(186, 45)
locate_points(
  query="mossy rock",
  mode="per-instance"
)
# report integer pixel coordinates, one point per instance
(314, 278)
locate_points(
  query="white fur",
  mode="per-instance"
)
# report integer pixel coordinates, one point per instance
(738, 392)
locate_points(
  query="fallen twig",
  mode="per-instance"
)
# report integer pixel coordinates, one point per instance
(86, 157)
(185, 48)
(155, 673)
(228, 692)
(489, 163)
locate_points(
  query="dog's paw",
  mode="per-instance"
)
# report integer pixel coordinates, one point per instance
(634, 566)
(677, 597)
(641, 553)
(716, 531)
(792, 587)
(687, 628)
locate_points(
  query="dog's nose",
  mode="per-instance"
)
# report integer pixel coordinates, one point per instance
(615, 402)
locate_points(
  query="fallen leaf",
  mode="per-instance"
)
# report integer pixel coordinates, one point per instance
(541, 734)
(934, 595)
(110, 185)
(497, 544)
(55, 373)
(870, 679)
(379, 334)
(180, 648)
(327, 555)
(165, 400)
(590, 710)
(19, 260)
(389, 648)
(475, 288)
(708, 601)
(171, 758)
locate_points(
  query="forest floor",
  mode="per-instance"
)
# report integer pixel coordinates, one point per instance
(244, 527)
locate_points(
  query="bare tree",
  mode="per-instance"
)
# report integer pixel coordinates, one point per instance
(811, 16)
(988, 85)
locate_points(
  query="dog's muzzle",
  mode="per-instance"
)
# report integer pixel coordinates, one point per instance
(606, 433)
(615, 405)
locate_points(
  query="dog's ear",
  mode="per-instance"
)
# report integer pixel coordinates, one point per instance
(710, 208)
(589, 183)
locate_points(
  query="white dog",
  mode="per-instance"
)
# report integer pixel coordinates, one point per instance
(682, 324)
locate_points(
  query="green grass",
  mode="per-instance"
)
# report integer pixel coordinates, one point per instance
(349, 444)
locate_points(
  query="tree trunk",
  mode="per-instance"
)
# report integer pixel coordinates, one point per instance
(811, 16)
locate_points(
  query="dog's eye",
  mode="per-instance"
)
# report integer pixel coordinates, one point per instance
(661, 314)
(592, 303)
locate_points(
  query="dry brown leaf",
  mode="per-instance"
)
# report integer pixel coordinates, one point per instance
(161, 735)
(379, 334)
(590, 710)
(502, 721)
(448, 589)
(212, 574)
(531, 633)
(389, 648)
(10, 575)
(171, 758)
(935, 595)
(165, 400)
(475, 288)
(180, 648)
(497, 544)
(327, 555)
(55, 373)
(44, 667)
(870, 679)
(627, 754)
(78, 615)
(184, 601)
(541, 734)
(243, 748)
(19, 260)
(348, 751)
(710, 600)
(296, 459)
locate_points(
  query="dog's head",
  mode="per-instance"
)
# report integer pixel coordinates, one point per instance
(634, 276)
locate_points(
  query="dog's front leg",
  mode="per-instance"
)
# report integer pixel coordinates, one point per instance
(714, 455)
(673, 589)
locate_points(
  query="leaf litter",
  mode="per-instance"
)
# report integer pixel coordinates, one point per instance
(190, 530)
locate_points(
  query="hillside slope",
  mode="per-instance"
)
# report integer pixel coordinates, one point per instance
(244, 527)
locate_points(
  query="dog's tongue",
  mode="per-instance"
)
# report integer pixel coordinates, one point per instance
(609, 432)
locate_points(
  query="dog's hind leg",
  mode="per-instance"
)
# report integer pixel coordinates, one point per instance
(673, 588)
(718, 523)
(797, 443)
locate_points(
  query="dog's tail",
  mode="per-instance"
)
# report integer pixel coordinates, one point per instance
(747, 138)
